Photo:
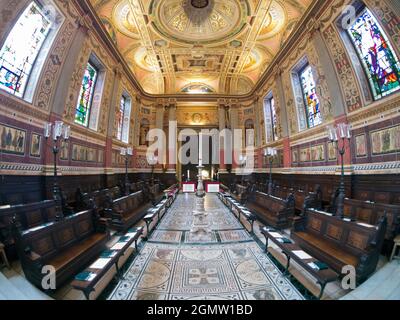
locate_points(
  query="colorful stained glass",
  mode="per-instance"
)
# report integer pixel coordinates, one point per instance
(120, 117)
(21, 48)
(271, 120)
(274, 119)
(376, 53)
(86, 95)
(310, 97)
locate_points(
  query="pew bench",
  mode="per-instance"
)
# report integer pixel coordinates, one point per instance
(271, 210)
(245, 217)
(340, 242)
(28, 216)
(68, 245)
(96, 277)
(371, 213)
(127, 211)
(293, 252)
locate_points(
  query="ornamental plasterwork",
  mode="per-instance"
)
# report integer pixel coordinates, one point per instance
(225, 44)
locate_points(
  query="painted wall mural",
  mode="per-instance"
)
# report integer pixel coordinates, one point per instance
(84, 153)
(13, 140)
(64, 150)
(361, 145)
(386, 140)
(36, 143)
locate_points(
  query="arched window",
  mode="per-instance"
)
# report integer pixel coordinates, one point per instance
(86, 95)
(249, 137)
(123, 118)
(22, 47)
(270, 117)
(311, 99)
(376, 54)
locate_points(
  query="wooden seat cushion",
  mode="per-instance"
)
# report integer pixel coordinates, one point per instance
(328, 248)
(67, 256)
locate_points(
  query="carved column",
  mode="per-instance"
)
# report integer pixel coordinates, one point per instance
(222, 111)
(234, 115)
(283, 118)
(160, 111)
(58, 101)
(114, 99)
(172, 138)
(332, 105)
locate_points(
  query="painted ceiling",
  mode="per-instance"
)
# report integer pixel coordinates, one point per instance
(199, 46)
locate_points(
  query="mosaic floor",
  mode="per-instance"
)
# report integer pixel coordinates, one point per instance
(229, 265)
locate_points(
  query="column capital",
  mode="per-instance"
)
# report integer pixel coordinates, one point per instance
(277, 71)
(118, 71)
(313, 26)
(85, 22)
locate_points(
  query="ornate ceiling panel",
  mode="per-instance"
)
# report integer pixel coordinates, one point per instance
(192, 46)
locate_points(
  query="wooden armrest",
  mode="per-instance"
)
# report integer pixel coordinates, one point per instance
(117, 216)
(33, 256)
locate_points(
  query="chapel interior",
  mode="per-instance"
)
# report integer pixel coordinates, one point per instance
(200, 149)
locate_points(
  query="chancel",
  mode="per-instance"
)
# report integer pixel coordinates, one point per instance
(199, 150)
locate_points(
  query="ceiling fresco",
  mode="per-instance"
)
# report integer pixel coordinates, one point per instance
(199, 46)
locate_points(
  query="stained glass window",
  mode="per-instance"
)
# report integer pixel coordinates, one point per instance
(270, 119)
(274, 119)
(123, 119)
(86, 95)
(21, 48)
(120, 117)
(377, 55)
(310, 97)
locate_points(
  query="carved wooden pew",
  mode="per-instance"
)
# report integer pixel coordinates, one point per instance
(100, 198)
(28, 216)
(340, 242)
(303, 199)
(371, 213)
(274, 211)
(157, 192)
(67, 245)
(127, 211)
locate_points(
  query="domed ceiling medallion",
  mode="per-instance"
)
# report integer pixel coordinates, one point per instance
(124, 20)
(199, 3)
(200, 21)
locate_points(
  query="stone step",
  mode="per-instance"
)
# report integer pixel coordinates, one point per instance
(8, 291)
(30, 291)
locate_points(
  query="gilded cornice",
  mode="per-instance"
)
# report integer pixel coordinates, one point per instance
(314, 10)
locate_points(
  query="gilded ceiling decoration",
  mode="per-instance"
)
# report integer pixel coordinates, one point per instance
(188, 46)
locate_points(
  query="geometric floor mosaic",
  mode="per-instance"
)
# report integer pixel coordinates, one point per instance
(232, 266)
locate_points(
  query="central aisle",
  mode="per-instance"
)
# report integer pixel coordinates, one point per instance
(229, 265)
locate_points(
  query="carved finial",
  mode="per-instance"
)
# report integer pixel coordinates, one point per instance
(118, 70)
(85, 22)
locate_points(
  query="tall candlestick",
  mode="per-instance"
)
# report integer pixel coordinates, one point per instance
(200, 149)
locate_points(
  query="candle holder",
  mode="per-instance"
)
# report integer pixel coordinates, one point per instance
(152, 160)
(58, 131)
(243, 162)
(270, 153)
(127, 153)
(343, 132)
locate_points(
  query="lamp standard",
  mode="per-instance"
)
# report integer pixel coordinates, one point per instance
(59, 131)
(343, 131)
(152, 161)
(270, 153)
(127, 153)
(243, 161)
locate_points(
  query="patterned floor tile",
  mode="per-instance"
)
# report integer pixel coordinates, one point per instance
(234, 269)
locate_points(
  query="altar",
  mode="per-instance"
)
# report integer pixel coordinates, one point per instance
(212, 187)
(188, 187)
